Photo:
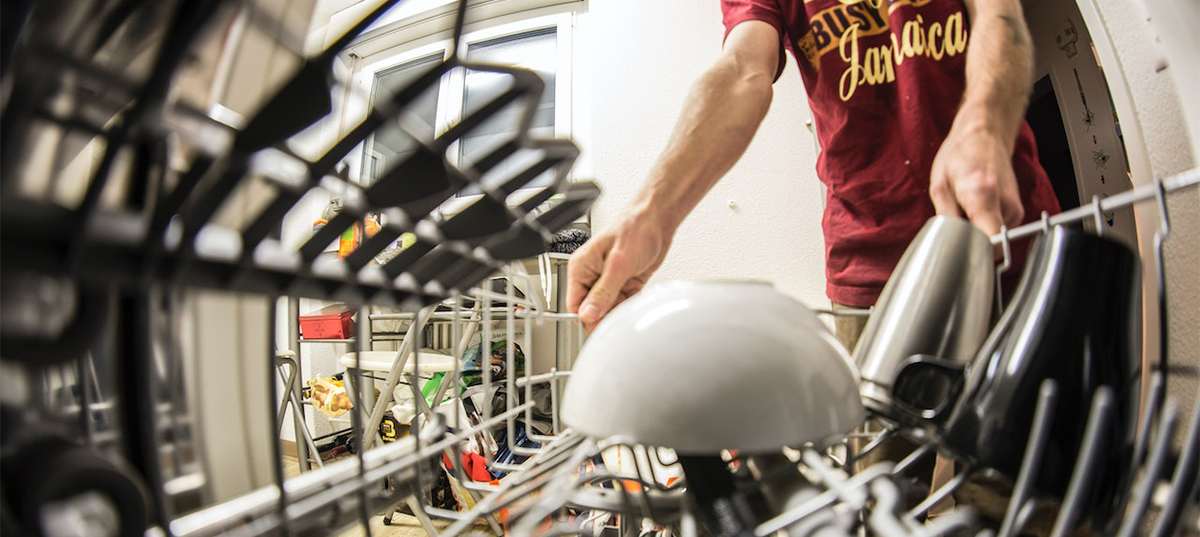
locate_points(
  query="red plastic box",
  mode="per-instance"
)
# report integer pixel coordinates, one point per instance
(330, 322)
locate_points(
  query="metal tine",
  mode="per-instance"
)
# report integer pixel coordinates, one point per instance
(1006, 247)
(139, 418)
(849, 493)
(510, 366)
(519, 485)
(525, 85)
(644, 457)
(1097, 215)
(1184, 481)
(1156, 462)
(556, 492)
(529, 385)
(187, 22)
(1031, 463)
(276, 420)
(485, 368)
(820, 501)
(520, 241)
(168, 206)
(460, 20)
(487, 216)
(873, 444)
(1091, 452)
(376, 195)
(363, 339)
(410, 344)
(618, 481)
(526, 238)
(882, 519)
(452, 228)
(1160, 238)
(941, 493)
(912, 458)
(1147, 420)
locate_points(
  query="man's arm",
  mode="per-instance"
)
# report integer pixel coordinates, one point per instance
(972, 174)
(720, 116)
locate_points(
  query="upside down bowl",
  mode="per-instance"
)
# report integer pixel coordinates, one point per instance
(704, 366)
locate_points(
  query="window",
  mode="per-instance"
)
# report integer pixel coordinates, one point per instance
(541, 44)
(389, 144)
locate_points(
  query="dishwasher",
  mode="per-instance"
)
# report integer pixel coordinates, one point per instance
(176, 215)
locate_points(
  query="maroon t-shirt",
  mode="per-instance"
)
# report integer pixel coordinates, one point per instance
(884, 80)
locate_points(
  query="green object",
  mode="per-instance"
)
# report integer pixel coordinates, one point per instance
(472, 372)
(431, 386)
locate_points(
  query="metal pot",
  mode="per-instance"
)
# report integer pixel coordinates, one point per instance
(938, 302)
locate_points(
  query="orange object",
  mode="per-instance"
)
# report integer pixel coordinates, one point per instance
(348, 241)
(354, 236)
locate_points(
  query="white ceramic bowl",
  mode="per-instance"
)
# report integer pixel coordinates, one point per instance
(705, 366)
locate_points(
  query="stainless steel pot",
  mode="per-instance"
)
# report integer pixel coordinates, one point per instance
(938, 302)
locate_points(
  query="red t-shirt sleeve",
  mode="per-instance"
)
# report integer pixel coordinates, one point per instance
(735, 12)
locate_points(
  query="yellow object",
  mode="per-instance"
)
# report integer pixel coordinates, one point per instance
(329, 396)
(348, 241)
(356, 234)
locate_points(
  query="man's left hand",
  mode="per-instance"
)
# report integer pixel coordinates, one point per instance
(972, 177)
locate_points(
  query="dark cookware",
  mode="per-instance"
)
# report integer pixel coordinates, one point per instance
(1073, 319)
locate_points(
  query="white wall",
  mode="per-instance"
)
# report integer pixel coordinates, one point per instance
(646, 56)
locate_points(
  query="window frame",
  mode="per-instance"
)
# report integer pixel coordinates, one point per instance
(411, 45)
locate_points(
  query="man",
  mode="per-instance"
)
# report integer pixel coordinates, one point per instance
(918, 106)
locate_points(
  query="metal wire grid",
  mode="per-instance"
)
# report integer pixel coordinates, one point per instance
(123, 270)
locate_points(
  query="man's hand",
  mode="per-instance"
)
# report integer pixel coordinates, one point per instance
(613, 266)
(719, 119)
(972, 174)
(972, 177)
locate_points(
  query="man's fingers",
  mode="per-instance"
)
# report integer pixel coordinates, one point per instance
(1013, 211)
(605, 293)
(981, 203)
(944, 201)
(581, 277)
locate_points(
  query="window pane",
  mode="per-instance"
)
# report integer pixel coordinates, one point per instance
(535, 50)
(389, 145)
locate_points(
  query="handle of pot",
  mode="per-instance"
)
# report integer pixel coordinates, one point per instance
(927, 387)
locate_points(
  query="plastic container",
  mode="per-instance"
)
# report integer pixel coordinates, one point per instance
(330, 322)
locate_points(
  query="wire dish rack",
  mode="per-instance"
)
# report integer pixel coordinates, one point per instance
(107, 276)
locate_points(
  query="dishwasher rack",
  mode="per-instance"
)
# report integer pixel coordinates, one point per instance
(561, 494)
(101, 262)
(108, 276)
(571, 486)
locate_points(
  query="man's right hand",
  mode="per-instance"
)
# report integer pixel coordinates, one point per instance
(614, 265)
